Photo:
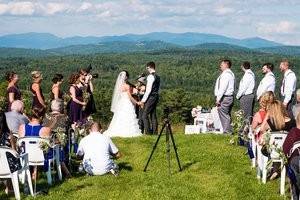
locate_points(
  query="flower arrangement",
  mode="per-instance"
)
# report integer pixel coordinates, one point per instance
(237, 124)
(81, 129)
(45, 145)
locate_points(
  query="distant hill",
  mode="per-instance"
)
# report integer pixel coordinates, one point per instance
(50, 41)
(283, 50)
(143, 46)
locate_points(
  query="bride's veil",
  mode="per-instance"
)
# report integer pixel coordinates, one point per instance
(117, 91)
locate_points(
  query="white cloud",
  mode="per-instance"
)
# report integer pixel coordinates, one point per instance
(85, 6)
(17, 8)
(282, 27)
(223, 10)
(54, 8)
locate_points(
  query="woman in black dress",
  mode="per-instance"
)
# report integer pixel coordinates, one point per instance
(38, 100)
(56, 92)
(76, 104)
(13, 91)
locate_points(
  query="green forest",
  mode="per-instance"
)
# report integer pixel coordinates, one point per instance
(187, 76)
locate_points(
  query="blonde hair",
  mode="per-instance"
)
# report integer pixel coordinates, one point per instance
(277, 114)
(266, 99)
(36, 75)
(298, 119)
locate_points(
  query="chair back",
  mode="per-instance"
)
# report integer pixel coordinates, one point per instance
(4, 166)
(296, 146)
(276, 140)
(31, 146)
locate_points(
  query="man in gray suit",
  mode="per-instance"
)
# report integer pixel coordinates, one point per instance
(224, 89)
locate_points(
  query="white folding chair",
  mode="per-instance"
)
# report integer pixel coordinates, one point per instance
(295, 147)
(251, 137)
(6, 173)
(277, 140)
(36, 155)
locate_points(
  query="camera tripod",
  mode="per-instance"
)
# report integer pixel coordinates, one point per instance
(169, 134)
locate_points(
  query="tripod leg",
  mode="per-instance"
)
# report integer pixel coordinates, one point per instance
(154, 147)
(174, 145)
(168, 147)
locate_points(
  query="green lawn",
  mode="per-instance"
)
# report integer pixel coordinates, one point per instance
(212, 169)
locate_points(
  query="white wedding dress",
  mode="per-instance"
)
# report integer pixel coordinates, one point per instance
(124, 122)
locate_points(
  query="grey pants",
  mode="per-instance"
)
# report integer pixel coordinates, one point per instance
(294, 165)
(225, 113)
(247, 104)
(289, 107)
(150, 112)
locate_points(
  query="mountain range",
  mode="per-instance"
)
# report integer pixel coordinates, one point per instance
(50, 41)
(45, 44)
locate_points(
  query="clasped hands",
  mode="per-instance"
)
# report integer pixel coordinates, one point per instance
(141, 104)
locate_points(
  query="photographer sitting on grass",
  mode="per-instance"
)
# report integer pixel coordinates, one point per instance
(97, 150)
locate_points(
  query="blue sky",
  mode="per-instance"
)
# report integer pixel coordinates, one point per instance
(277, 20)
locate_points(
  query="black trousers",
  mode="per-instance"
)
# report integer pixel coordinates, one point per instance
(149, 112)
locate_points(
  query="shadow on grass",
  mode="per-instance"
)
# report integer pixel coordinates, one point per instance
(125, 166)
(188, 165)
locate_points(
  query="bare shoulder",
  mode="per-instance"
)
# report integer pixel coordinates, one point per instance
(125, 87)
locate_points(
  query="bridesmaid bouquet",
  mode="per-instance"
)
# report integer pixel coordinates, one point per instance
(86, 98)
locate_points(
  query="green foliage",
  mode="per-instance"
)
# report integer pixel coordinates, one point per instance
(191, 71)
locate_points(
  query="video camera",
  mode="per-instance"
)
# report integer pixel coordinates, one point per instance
(89, 69)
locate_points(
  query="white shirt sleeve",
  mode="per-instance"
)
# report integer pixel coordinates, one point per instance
(150, 81)
(80, 151)
(243, 85)
(290, 82)
(263, 86)
(224, 82)
(112, 147)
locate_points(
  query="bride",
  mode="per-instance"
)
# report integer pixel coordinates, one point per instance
(124, 122)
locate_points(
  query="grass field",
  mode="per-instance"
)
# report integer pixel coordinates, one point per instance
(212, 169)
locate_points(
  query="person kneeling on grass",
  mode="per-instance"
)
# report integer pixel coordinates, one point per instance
(97, 150)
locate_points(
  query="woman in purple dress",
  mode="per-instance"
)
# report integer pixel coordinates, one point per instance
(38, 100)
(76, 104)
(13, 92)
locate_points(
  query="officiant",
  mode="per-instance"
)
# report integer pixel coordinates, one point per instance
(139, 93)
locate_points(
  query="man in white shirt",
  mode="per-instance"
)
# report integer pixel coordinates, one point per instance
(245, 92)
(150, 100)
(288, 86)
(268, 82)
(224, 90)
(97, 150)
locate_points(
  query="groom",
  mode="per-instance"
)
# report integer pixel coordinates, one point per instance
(150, 100)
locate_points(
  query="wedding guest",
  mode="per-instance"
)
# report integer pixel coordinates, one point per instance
(6, 140)
(75, 109)
(288, 86)
(58, 120)
(293, 158)
(268, 82)
(264, 102)
(56, 92)
(38, 100)
(277, 118)
(245, 93)
(34, 127)
(96, 150)
(296, 108)
(15, 117)
(224, 89)
(13, 91)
